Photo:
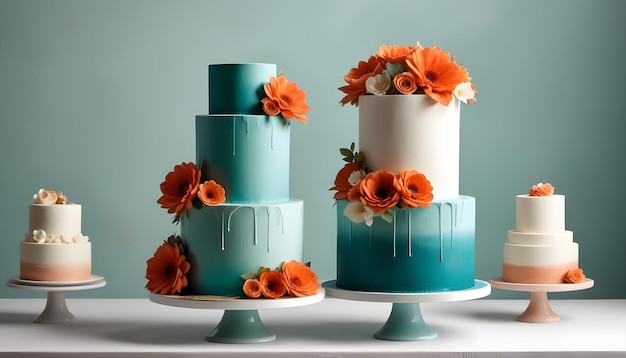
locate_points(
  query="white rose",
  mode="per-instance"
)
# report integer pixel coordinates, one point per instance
(464, 92)
(45, 197)
(66, 239)
(378, 84)
(356, 176)
(358, 213)
(79, 239)
(39, 236)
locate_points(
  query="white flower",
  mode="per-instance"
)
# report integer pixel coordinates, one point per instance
(66, 239)
(356, 176)
(378, 84)
(464, 91)
(44, 196)
(79, 239)
(51, 238)
(358, 213)
(39, 236)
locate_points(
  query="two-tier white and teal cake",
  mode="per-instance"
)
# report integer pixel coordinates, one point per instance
(402, 225)
(246, 151)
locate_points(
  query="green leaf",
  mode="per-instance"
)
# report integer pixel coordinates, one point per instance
(345, 152)
(387, 216)
(248, 276)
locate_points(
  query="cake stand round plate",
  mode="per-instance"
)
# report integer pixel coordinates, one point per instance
(405, 322)
(539, 310)
(56, 310)
(240, 322)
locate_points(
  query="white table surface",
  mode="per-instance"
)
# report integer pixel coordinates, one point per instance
(331, 328)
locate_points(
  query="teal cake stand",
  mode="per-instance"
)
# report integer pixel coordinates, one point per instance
(240, 322)
(56, 310)
(405, 322)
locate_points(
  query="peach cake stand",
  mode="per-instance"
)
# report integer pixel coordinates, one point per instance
(539, 310)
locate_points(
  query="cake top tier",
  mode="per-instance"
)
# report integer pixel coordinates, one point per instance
(254, 89)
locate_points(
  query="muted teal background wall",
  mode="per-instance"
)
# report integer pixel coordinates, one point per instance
(98, 98)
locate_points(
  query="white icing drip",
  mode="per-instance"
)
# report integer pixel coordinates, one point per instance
(256, 239)
(222, 229)
(394, 233)
(230, 215)
(268, 227)
(409, 232)
(234, 120)
(272, 137)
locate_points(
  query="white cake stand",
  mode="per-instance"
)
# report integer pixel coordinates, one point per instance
(539, 310)
(240, 322)
(405, 323)
(56, 310)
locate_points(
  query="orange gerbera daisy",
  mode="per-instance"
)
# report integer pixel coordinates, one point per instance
(394, 53)
(356, 79)
(179, 189)
(211, 193)
(378, 190)
(405, 83)
(252, 288)
(166, 270)
(286, 95)
(272, 284)
(414, 188)
(300, 279)
(342, 184)
(436, 73)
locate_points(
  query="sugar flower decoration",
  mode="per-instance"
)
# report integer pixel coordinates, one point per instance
(541, 189)
(412, 70)
(574, 276)
(211, 193)
(179, 189)
(167, 269)
(291, 278)
(286, 98)
(49, 197)
(373, 194)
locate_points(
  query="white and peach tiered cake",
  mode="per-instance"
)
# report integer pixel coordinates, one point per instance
(402, 225)
(237, 219)
(540, 250)
(54, 248)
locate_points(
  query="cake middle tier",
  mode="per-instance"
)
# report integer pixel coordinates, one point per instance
(421, 250)
(246, 154)
(226, 241)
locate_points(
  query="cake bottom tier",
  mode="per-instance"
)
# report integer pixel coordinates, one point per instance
(421, 250)
(226, 241)
(538, 263)
(55, 262)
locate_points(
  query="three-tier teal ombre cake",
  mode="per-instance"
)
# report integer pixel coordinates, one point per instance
(233, 203)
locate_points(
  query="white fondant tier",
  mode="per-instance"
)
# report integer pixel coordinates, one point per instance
(58, 219)
(540, 214)
(526, 238)
(55, 262)
(536, 255)
(412, 132)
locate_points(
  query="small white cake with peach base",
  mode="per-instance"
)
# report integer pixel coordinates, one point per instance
(54, 248)
(539, 250)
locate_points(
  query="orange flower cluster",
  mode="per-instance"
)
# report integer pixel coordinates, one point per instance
(381, 190)
(413, 70)
(182, 188)
(166, 270)
(286, 98)
(293, 278)
(541, 189)
(574, 276)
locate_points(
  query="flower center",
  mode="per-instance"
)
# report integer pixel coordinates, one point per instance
(286, 99)
(413, 188)
(170, 270)
(182, 188)
(382, 192)
(431, 76)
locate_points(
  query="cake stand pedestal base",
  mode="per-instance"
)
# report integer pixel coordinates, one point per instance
(56, 310)
(539, 310)
(405, 322)
(240, 322)
(243, 326)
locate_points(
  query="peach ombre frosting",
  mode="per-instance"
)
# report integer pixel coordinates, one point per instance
(541, 189)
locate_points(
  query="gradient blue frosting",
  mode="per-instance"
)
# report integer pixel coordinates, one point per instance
(422, 250)
(248, 155)
(238, 88)
(226, 241)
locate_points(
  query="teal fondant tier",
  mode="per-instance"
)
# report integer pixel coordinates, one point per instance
(247, 155)
(238, 88)
(422, 250)
(226, 241)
